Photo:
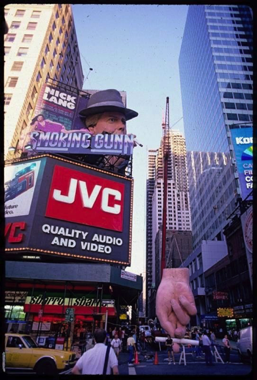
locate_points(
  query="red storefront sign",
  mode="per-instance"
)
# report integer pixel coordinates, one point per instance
(59, 309)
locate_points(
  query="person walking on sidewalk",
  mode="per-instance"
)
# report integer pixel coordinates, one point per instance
(131, 346)
(226, 344)
(169, 344)
(116, 345)
(92, 362)
(207, 349)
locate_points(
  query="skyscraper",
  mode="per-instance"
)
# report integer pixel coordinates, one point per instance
(216, 77)
(41, 43)
(178, 212)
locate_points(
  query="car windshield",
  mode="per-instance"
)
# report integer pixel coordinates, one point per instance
(29, 341)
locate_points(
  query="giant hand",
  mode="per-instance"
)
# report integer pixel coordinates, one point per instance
(175, 302)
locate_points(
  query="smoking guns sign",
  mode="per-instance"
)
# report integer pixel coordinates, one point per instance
(78, 212)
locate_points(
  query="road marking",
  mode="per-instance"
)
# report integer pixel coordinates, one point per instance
(132, 371)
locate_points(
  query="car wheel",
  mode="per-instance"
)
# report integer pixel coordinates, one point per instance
(46, 367)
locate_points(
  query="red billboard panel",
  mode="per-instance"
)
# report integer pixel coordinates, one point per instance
(68, 209)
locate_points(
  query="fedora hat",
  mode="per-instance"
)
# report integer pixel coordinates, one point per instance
(104, 101)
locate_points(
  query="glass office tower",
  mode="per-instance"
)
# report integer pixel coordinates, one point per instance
(216, 74)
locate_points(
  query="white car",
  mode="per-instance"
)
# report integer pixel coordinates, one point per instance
(245, 343)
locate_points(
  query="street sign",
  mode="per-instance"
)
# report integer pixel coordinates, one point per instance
(69, 315)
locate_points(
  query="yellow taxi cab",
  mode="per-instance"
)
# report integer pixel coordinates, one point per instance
(21, 352)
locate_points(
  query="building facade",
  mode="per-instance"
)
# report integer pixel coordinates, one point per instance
(178, 210)
(217, 90)
(41, 43)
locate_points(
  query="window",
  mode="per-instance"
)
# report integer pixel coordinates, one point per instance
(60, 30)
(238, 95)
(58, 66)
(27, 38)
(7, 99)
(51, 64)
(54, 26)
(7, 50)
(57, 41)
(17, 66)
(34, 93)
(56, 14)
(43, 62)
(228, 95)
(54, 53)
(63, 20)
(19, 13)
(50, 37)
(46, 50)
(10, 37)
(39, 76)
(230, 105)
(15, 25)
(35, 14)
(22, 51)
(32, 26)
(29, 109)
(11, 82)
(231, 116)
(241, 106)
(243, 117)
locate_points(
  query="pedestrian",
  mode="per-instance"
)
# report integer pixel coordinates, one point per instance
(123, 339)
(92, 362)
(135, 339)
(198, 350)
(226, 344)
(235, 335)
(207, 348)
(212, 338)
(131, 346)
(169, 345)
(142, 339)
(116, 345)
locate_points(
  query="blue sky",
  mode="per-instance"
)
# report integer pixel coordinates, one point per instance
(135, 48)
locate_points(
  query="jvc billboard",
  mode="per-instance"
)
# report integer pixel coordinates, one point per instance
(242, 139)
(56, 207)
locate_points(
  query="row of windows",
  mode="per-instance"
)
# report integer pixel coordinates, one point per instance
(239, 106)
(230, 58)
(235, 117)
(236, 95)
(17, 24)
(226, 35)
(27, 38)
(234, 76)
(21, 12)
(222, 66)
(230, 51)
(245, 86)
(222, 14)
(219, 21)
(229, 43)
(228, 28)
(221, 8)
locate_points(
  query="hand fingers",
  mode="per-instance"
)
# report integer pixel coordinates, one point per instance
(176, 347)
(168, 322)
(188, 305)
(180, 330)
(180, 313)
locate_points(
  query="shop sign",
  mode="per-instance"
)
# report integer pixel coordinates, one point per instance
(225, 312)
(18, 297)
(78, 301)
(74, 211)
(209, 317)
(43, 326)
(128, 275)
(220, 295)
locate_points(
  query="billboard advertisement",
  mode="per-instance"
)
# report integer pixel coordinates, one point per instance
(73, 211)
(56, 126)
(242, 139)
(247, 226)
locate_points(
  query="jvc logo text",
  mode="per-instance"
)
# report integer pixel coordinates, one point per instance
(84, 198)
(244, 140)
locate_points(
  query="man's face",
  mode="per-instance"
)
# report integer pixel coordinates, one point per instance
(110, 122)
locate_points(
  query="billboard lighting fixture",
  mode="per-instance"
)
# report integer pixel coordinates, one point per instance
(11, 149)
(28, 147)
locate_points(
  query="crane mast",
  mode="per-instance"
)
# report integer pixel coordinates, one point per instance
(166, 155)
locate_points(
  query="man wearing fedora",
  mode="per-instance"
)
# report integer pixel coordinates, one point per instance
(106, 114)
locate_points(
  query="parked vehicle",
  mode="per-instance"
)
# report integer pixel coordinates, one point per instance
(146, 329)
(245, 343)
(22, 352)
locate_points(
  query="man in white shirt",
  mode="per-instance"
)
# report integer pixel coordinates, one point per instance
(207, 349)
(92, 361)
(116, 345)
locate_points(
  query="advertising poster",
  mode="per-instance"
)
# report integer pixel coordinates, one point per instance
(19, 184)
(83, 213)
(56, 126)
(242, 139)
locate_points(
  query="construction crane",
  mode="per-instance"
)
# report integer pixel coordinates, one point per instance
(166, 155)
